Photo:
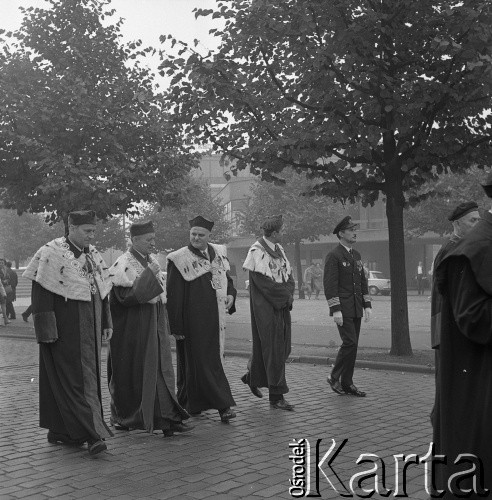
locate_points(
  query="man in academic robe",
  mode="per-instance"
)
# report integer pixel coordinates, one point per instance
(70, 288)
(462, 419)
(463, 218)
(346, 291)
(271, 295)
(200, 294)
(140, 371)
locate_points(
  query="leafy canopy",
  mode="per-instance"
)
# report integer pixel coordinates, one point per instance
(81, 123)
(370, 96)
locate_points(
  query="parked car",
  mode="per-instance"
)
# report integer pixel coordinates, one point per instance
(378, 284)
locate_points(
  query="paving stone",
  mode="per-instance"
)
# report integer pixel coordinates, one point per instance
(247, 459)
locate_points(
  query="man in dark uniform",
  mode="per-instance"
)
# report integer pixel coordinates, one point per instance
(348, 298)
(462, 420)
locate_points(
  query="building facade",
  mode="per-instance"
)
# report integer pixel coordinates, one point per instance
(372, 238)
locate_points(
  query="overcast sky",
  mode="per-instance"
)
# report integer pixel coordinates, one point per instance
(144, 19)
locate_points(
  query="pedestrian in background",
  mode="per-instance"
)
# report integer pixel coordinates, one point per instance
(271, 292)
(3, 304)
(14, 280)
(420, 279)
(200, 293)
(462, 419)
(70, 288)
(140, 370)
(317, 280)
(348, 298)
(308, 278)
(5, 279)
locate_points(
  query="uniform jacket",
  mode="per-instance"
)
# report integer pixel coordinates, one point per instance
(345, 283)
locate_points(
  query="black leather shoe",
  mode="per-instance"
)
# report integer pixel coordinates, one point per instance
(353, 391)
(281, 404)
(96, 447)
(25, 317)
(226, 415)
(55, 437)
(335, 385)
(255, 391)
(181, 427)
(119, 427)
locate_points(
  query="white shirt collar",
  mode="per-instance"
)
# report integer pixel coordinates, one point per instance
(269, 243)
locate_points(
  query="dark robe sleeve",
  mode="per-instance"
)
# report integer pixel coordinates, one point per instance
(43, 314)
(175, 299)
(231, 291)
(279, 295)
(471, 305)
(146, 287)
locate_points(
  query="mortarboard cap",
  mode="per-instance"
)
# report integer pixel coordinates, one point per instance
(142, 227)
(200, 221)
(82, 217)
(462, 209)
(345, 223)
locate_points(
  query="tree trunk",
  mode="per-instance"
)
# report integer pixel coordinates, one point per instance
(400, 333)
(297, 258)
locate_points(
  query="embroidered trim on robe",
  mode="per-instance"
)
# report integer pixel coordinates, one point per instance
(127, 269)
(260, 261)
(57, 270)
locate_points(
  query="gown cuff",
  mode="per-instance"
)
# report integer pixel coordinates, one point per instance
(45, 326)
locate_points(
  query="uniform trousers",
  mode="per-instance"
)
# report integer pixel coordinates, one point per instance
(347, 354)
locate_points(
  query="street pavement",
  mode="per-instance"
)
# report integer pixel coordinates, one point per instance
(248, 458)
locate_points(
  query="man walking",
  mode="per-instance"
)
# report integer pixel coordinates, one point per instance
(463, 217)
(140, 371)
(70, 287)
(14, 280)
(200, 294)
(345, 285)
(462, 418)
(271, 292)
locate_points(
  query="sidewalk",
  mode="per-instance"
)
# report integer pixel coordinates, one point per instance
(315, 338)
(249, 458)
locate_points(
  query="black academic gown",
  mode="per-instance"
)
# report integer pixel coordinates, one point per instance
(270, 304)
(140, 371)
(193, 312)
(463, 420)
(69, 369)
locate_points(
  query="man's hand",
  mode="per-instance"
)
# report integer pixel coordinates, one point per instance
(338, 318)
(107, 334)
(154, 267)
(367, 314)
(229, 302)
